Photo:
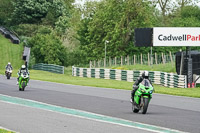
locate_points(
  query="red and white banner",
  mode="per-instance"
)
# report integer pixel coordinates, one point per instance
(176, 36)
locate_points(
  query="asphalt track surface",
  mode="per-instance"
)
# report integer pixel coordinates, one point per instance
(174, 112)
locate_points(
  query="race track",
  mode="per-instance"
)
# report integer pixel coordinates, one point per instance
(171, 112)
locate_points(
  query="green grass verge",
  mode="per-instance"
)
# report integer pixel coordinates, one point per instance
(10, 52)
(68, 79)
(168, 67)
(5, 131)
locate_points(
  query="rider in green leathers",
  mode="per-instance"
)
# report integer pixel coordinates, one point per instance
(22, 69)
(145, 75)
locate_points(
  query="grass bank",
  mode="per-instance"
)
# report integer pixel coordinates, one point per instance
(5, 131)
(10, 52)
(68, 79)
(168, 67)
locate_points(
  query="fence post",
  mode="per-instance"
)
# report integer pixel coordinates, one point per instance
(156, 59)
(110, 61)
(141, 59)
(163, 59)
(115, 61)
(94, 63)
(171, 56)
(134, 59)
(121, 60)
(148, 60)
(181, 66)
(104, 62)
(90, 64)
(128, 60)
(98, 63)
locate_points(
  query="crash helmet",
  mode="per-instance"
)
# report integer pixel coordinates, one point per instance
(23, 67)
(9, 63)
(145, 74)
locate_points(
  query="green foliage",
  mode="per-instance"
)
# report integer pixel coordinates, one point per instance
(47, 48)
(6, 9)
(30, 30)
(113, 20)
(29, 11)
(56, 9)
(61, 25)
(188, 16)
(76, 57)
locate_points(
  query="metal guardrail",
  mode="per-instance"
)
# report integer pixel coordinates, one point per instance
(49, 67)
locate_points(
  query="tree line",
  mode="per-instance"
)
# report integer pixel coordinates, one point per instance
(63, 33)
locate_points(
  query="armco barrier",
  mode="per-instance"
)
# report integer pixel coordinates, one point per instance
(51, 68)
(161, 78)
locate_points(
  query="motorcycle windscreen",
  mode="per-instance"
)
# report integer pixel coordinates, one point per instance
(146, 83)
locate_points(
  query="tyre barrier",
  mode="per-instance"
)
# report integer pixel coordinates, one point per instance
(161, 78)
(9, 35)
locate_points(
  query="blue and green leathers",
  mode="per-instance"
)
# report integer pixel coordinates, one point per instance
(23, 81)
(142, 96)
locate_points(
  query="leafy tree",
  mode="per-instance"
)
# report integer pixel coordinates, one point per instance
(47, 48)
(188, 16)
(6, 9)
(113, 20)
(61, 25)
(30, 30)
(183, 3)
(29, 11)
(56, 9)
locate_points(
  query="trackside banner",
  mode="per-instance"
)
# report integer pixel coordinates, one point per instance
(176, 36)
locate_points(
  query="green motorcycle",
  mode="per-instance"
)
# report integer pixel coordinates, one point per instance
(142, 97)
(23, 81)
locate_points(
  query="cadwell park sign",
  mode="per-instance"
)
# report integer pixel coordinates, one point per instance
(176, 36)
(173, 36)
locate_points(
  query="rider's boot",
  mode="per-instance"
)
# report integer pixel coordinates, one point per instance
(132, 96)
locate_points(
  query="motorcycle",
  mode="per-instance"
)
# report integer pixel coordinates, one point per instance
(23, 81)
(8, 73)
(142, 97)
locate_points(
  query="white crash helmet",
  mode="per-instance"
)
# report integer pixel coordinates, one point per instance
(9, 63)
(23, 66)
(145, 74)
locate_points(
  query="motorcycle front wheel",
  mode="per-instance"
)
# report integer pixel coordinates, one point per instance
(145, 105)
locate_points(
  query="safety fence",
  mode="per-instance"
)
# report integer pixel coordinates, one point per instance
(49, 67)
(9, 35)
(143, 59)
(161, 78)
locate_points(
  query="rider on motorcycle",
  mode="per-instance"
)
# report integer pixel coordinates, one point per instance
(145, 75)
(8, 66)
(22, 69)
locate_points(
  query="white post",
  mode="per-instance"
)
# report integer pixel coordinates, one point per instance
(105, 52)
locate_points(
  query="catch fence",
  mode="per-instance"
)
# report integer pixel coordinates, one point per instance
(144, 59)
